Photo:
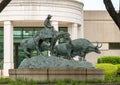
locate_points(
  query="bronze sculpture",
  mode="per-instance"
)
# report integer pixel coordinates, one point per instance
(46, 39)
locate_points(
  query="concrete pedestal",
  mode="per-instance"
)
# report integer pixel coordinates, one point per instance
(57, 74)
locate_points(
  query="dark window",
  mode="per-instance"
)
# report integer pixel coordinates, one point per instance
(114, 45)
(24, 32)
(21, 33)
(1, 47)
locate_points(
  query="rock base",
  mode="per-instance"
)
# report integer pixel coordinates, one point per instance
(41, 61)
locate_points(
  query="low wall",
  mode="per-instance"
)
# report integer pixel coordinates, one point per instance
(1, 73)
(57, 74)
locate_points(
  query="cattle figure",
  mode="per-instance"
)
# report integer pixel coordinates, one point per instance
(80, 47)
(63, 49)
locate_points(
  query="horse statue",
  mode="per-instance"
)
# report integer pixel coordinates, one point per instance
(44, 39)
(37, 42)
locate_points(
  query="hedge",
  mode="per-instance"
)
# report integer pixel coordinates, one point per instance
(118, 70)
(110, 69)
(109, 59)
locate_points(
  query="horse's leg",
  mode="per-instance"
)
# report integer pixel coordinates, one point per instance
(27, 55)
(26, 52)
(83, 57)
(39, 46)
(52, 45)
(69, 54)
(51, 48)
(24, 47)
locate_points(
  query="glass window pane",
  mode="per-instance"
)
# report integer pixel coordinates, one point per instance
(1, 47)
(21, 33)
(114, 45)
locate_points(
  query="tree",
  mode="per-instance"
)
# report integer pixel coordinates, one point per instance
(3, 4)
(112, 12)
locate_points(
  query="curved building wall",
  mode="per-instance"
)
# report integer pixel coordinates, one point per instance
(62, 10)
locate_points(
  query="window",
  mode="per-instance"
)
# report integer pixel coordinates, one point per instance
(114, 45)
(1, 47)
(24, 32)
(21, 33)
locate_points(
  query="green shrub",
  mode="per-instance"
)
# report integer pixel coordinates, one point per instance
(118, 71)
(109, 59)
(111, 79)
(110, 69)
(5, 80)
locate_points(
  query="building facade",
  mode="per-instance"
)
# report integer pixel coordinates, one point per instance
(22, 18)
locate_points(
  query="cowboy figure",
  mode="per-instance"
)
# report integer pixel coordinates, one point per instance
(47, 23)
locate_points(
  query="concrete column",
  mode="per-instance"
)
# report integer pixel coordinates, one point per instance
(74, 31)
(70, 30)
(8, 48)
(55, 25)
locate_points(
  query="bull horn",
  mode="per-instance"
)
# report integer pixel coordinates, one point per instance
(98, 45)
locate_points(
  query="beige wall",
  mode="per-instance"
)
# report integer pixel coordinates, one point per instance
(98, 26)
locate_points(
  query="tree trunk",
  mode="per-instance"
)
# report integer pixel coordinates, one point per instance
(3, 4)
(111, 10)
